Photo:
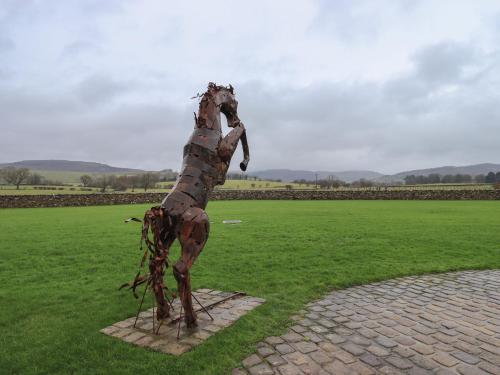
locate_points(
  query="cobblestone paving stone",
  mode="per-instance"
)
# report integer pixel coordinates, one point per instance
(224, 314)
(436, 324)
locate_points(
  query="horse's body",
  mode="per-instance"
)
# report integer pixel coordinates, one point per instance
(206, 160)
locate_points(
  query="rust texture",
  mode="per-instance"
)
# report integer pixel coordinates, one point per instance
(181, 216)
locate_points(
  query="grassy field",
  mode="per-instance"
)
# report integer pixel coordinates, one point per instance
(73, 178)
(32, 190)
(60, 268)
(69, 177)
(234, 185)
(66, 177)
(249, 184)
(230, 184)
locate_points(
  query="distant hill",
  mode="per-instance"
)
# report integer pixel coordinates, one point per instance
(69, 166)
(287, 175)
(473, 170)
(349, 176)
(70, 171)
(291, 175)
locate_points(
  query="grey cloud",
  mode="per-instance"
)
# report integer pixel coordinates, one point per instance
(342, 19)
(444, 62)
(358, 22)
(127, 102)
(400, 120)
(6, 44)
(322, 126)
(145, 136)
(19, 106)
(455, 67)
(93, 7)
(99, 89)
(77, 48)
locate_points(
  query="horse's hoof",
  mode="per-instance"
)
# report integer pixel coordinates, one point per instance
(162, 314)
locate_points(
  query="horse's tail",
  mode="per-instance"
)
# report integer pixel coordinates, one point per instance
(156, 221)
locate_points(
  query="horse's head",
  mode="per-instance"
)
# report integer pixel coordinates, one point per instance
(221, 99)
(225, 99)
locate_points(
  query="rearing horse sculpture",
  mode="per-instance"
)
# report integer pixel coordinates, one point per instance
(181, 215)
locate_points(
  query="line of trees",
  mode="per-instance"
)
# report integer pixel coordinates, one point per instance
(492, 178)
(333, 183)
(435, 178)
(121, 183)
(244, 176)
(322, 183)
(19, 176)
(23, 176)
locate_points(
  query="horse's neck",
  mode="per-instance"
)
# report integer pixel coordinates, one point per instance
(208, 115)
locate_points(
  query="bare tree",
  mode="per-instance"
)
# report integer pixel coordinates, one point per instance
(120, 183)
(15, 176)
(490, 178)
(148, 180)
(102, 183)
(134, 181)
(86, 180)
(479, 178)
(35, 179)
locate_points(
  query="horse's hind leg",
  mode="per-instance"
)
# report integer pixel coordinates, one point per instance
(192, 236)
(156, 269)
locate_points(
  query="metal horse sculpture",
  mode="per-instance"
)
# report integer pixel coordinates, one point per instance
(181, 215)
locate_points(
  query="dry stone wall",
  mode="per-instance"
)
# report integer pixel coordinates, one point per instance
(64, 200)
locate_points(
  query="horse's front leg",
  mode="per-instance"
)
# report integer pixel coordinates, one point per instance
(228, 145)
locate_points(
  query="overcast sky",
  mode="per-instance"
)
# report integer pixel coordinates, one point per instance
(322, 85)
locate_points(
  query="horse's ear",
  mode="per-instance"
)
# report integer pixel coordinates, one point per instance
(231, 89)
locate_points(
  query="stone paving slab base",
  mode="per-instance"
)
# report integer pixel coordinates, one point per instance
(224, 314)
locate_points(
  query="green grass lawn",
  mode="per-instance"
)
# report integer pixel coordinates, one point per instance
(60, 269)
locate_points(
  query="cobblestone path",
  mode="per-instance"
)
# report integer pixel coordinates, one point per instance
(435, 324)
